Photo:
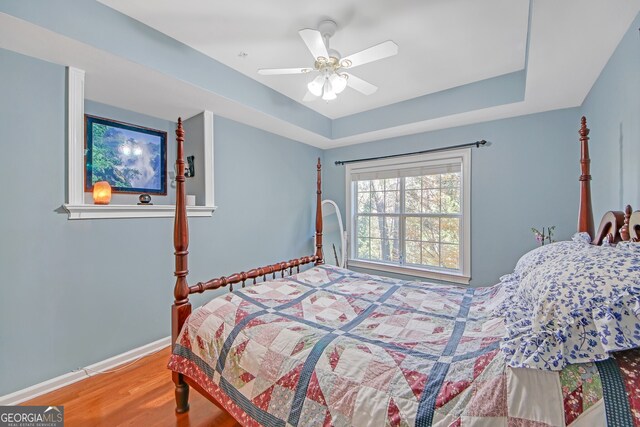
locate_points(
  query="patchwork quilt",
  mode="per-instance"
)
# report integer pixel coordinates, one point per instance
(331, 347)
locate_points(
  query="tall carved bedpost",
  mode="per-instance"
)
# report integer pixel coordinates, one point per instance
(319, 254)
(585, 212)
(181, 307)
(624, 230)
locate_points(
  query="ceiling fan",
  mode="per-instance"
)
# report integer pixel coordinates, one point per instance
(332, 76)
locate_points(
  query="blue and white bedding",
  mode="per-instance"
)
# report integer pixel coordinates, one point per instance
(571, 302)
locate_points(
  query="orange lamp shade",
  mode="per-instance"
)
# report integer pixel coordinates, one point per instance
(101, 193)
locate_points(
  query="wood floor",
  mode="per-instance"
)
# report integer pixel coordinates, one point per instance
(139, 395)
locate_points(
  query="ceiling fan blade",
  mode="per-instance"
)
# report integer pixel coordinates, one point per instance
(360, 85)
(374, 53)
(314, 42)
(275, 71)
(308, 97)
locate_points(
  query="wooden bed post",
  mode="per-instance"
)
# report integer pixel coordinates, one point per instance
(585, 213)
(181, 307)
(319, 254)
(624, 230)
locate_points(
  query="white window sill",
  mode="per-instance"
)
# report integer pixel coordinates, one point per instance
(133, 211)
(411, 271)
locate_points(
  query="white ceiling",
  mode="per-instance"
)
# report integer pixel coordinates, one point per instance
(442, 43)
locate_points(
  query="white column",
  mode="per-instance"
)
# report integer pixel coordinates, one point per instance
(75, 135)
(208, 158)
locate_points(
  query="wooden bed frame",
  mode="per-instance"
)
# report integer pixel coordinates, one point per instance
(615, 226)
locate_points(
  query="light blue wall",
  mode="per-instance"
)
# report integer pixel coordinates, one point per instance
(527, 177)
(77, 292)
(612, 109)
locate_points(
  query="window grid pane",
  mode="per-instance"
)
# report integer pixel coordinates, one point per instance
(388, 232)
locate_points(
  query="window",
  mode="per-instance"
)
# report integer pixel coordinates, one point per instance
(411, 215)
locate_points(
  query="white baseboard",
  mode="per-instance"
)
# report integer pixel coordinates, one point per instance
(80, 374)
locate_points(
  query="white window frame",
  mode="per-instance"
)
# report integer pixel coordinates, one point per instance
(463, 155)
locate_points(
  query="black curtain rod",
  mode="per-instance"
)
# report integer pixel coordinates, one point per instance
(476, 144)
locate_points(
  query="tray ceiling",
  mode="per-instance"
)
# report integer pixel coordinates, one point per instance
(442, 43)
(462, 63)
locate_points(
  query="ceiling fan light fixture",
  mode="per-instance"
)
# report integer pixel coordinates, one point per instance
(328, 87)
(329, 95)
(315, 86)
(328, 92)
(338, 82)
